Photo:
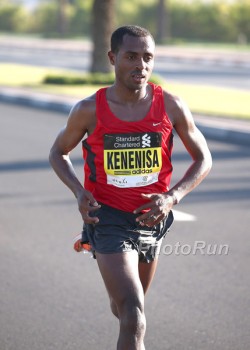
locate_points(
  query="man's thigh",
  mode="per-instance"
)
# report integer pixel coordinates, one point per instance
(121, 277)
(147, 272)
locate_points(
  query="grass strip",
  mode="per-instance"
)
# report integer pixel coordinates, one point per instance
(201, 99)
(212, 100)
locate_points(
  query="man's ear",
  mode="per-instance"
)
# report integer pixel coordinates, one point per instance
(111, 58)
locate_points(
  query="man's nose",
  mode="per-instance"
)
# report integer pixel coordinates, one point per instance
(140, 64)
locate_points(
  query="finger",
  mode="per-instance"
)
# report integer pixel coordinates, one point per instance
(143, 207)
(90, 208)
(148, 216)
(93, 202)
(146, 205)
(154, 220)
(90, 199)
(93, 221)
(144, 217)
(86, 206)
(159, 219)
(85, 210)
(149, 195)
(150, 221)
(90, 219)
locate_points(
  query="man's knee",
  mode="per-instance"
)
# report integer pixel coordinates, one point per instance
(113, 307)
(133, 321)
(130, 313)
(132, 317)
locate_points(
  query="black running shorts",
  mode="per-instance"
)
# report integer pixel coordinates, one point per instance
(117, 232)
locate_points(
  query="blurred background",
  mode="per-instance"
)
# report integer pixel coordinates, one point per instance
(198, 42)
(225, 21)
(53, 53)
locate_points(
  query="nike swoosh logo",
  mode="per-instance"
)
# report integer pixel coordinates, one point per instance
(155, 124)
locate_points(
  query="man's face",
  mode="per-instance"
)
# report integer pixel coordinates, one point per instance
(134, 61)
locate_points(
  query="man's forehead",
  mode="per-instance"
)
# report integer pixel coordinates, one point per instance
(133, 44)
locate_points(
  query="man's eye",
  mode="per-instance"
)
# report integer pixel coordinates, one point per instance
(148, 58)
(131, 57)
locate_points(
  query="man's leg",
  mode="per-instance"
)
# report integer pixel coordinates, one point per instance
(146, 273)
(121, 276)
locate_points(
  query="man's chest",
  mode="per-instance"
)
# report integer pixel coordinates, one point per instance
(130, 113)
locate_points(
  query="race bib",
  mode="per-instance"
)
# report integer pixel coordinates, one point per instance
(132, 160)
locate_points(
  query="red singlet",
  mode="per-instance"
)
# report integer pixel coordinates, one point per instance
(124, 159)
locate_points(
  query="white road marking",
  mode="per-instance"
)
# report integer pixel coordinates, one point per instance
(181, 216)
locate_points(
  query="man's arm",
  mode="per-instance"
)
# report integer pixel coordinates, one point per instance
(196, 146)
(195, 143)
(80, 121)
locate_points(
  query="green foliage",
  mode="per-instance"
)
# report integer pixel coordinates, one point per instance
(198, 20)
(12, 17)
(240, 16)
(141, 12)
(45, 19)
(216, 21)
(201, 21)
(80, 21)
(89, 79)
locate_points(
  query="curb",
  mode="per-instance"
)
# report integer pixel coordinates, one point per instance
(36, 102)
(228, 135)
(227, 130)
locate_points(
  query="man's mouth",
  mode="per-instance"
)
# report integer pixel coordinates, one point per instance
(138, 77)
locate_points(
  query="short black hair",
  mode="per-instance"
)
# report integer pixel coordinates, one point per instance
(133, 30)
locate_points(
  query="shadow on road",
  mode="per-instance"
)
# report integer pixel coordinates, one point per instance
(27, 165)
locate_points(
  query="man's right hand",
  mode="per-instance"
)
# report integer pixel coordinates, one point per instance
(87, 204)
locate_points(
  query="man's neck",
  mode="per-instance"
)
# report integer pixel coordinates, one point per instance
(129, 97)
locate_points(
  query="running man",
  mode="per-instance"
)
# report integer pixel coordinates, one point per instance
(126, 199)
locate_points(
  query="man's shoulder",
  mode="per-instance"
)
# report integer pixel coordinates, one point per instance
(88, 104)
(173, 104)
(176, 108)
(83, 115)
(171, 100)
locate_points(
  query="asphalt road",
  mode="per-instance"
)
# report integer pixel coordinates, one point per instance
(199, 71)
(53, 298)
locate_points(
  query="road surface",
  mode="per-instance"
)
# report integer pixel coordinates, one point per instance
(176, 67)
(52, 298)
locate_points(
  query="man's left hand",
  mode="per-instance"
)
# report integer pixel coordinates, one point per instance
(158, 207)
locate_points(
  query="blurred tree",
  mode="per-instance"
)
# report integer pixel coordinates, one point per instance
(45, 19)
(140, 12)
(240, 16)
(102, 27)
(163, 21)
(12, 17)
(197, 20)
(62, 18)
(80, 21)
